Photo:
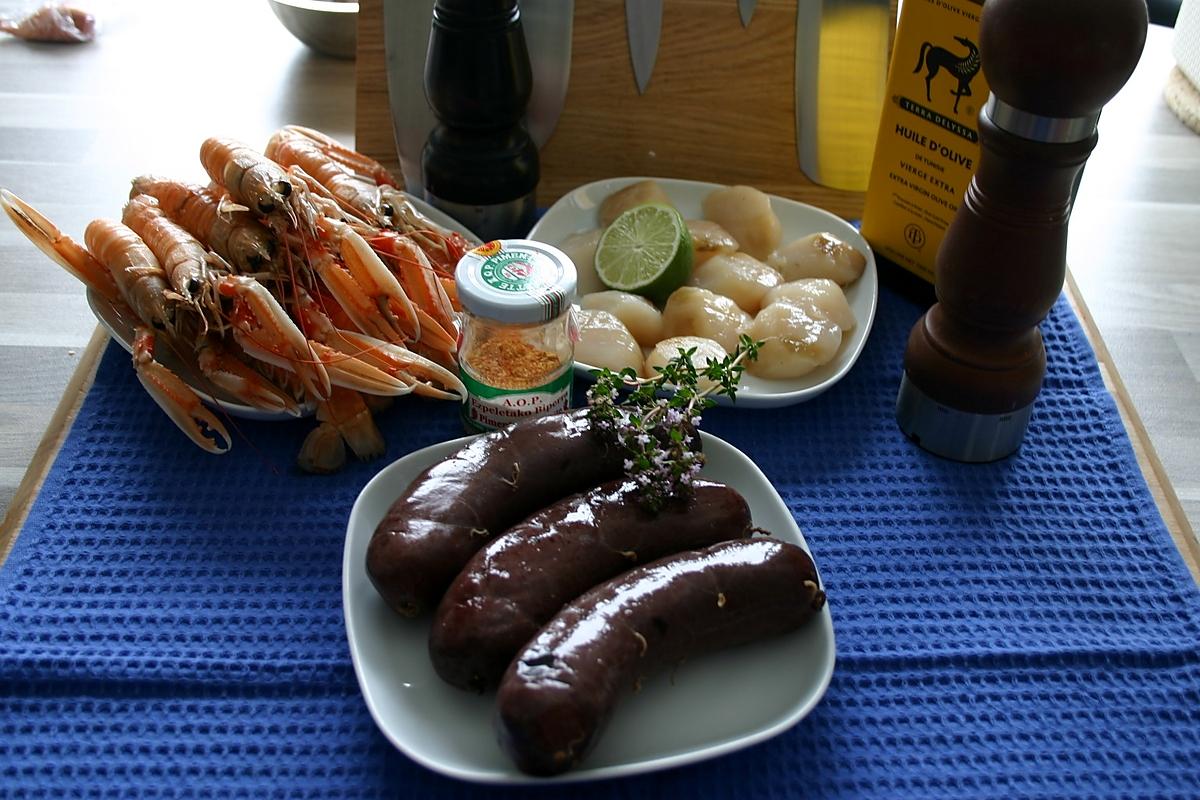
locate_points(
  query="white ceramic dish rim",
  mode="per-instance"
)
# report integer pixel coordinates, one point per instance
(354, 578)
(335, 6)
(575, 212)
(121, 331)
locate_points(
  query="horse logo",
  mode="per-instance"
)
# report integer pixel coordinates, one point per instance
(962, 67)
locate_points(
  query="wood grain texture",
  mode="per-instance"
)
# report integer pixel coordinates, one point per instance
(720, 106)
(18, 504)
(1132, 246)
(373, 120)
(1157, 479)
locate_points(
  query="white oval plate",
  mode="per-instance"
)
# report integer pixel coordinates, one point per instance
(121, 330)
(694, 714)
(576, 212)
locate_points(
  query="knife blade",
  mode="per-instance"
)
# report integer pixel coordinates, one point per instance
(746, 11)
(643, 24)
(548, 28)
(406, 27)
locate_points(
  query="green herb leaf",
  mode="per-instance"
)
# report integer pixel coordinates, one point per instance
(655, 431)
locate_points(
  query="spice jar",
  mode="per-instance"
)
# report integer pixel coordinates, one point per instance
(517, 347)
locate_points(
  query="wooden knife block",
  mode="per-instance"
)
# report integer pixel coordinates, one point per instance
(720, 106)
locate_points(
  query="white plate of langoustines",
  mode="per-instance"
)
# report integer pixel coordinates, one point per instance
(121, 330)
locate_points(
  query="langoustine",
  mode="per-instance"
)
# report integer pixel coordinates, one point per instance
(212, 217)
(53, 23)
(250, 261)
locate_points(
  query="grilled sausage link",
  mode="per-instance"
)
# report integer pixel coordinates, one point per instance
(519, 580)
(456, 506)
(559, 692)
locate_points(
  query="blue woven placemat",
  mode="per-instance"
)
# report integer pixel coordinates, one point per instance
(170, 621)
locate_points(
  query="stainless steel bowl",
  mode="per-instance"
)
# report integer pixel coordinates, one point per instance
(327, 26)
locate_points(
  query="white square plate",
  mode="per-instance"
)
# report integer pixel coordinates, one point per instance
(695, 714)
(577, 211)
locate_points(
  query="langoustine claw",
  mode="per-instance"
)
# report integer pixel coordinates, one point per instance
(176, 398)
(342, 359)
(419, 281)
(237, 378)
(363, 286)
(58, 247)
(264, 331)
(424, 376)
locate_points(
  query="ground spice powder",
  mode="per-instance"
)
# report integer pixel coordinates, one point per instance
(510, 362)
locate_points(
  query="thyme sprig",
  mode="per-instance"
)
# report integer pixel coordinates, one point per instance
(656, 431)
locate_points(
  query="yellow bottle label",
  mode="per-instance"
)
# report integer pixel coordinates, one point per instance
(927, 148)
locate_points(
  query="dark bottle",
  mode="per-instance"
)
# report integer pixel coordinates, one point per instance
(975, 362)
(480, 164)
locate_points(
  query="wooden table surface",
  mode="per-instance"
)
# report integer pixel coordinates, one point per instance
(78, 122)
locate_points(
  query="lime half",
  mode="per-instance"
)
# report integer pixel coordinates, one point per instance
(647, 250)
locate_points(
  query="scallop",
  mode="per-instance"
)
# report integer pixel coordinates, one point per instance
(637, 313)
(581, 249)
(705, 350)
(605, 342)
(746, 213)
(692, 311)
(819, 293)
(635, 194)
(794, 342)
(709, 239)
(742, 278)
(819, 255)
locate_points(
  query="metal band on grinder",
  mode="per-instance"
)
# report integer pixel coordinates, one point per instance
(1051, 130)
(958, 435)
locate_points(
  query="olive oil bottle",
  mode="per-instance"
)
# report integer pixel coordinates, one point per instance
(928, 143)
(841, 79)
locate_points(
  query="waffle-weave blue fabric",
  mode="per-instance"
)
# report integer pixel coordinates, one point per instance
(171, 624)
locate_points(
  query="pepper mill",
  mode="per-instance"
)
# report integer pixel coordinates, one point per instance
(480, 164)
(975, 361)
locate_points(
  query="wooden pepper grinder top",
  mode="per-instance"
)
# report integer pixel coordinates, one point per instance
(975, 361)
